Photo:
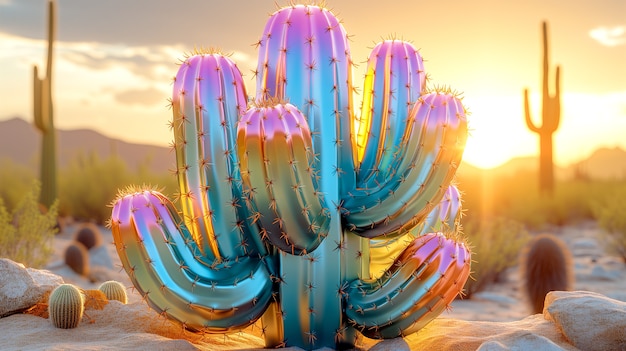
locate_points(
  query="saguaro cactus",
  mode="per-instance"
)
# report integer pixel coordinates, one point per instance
(43, 118)
(550, 114)
(290, 202)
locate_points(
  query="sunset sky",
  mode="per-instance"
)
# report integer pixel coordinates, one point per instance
(115, 61)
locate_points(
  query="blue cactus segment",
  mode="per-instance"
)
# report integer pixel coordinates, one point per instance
(394, 80)
(168, 269)
(444, 218)
(208, 98)
(420, 284)
(304, 58)
(434, 140)
(274, 148)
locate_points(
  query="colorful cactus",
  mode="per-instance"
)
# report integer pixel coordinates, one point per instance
(43, 118)
(114, 290)
(551, 115)
(289, 203)
(66, 306)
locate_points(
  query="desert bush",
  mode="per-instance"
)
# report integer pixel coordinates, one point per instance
(517, 197)
(15, 181)
(611, 214)
(496, 244)
(26, 235)
(89, 184)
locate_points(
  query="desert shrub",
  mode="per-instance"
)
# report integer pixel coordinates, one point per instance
(15, 181)
(611, 214)
(89, 184)
(517, 197)
(26, 235)
(496, 244)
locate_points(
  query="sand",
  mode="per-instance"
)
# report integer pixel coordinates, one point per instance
(496, 319)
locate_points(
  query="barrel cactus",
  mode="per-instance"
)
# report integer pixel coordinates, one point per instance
(66, 306)
(114, 290)
(295, 211)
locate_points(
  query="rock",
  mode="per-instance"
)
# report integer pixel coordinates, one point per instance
(495, 297)
(520, 341)
(21, 288)
(590, 321)
(530, 333)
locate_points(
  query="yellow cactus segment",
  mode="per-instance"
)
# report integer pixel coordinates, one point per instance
(363, 124)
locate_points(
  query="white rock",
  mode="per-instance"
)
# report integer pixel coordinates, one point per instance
(21, 288)
(590, 321)
(442, 334)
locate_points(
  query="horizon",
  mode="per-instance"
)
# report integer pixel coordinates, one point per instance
(499, 166)
(115, 79)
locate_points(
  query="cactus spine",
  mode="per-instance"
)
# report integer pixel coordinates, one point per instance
(43, 118)
(550, 114)
(283, 199)
(114, 290)
(66, 306)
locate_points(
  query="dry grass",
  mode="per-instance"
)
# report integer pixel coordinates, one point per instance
(26, 234)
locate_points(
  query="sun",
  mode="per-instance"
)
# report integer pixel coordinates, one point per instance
(497, 132)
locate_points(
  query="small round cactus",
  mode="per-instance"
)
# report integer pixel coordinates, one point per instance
(66, 306)
(77, 258)
(89, 235)
(546, 265)
(114, 290)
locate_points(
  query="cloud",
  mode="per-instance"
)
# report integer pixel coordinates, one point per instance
(609, 36)
(146, 97)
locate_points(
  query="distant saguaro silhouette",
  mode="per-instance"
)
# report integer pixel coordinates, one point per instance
(43, 118)
(550, 115)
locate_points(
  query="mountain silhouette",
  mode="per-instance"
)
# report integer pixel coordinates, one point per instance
(20, 142)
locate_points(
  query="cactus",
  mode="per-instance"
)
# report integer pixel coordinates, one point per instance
(89, 235)
(114, 290)
(551, 115)
(546, 265)
(66, 306)
(43, 118)
(289, 203)
(77, 258)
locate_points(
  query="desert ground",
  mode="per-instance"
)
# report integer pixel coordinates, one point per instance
(501, 309)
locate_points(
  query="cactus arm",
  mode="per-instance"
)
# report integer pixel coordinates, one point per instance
(208, 96)
(423, 280)
(445, 217)
(165, 265)
(529, 121)
(555, 104)
(40, 123)
(435, 141)
(304, 58)
(274, 143)
(398, 80)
